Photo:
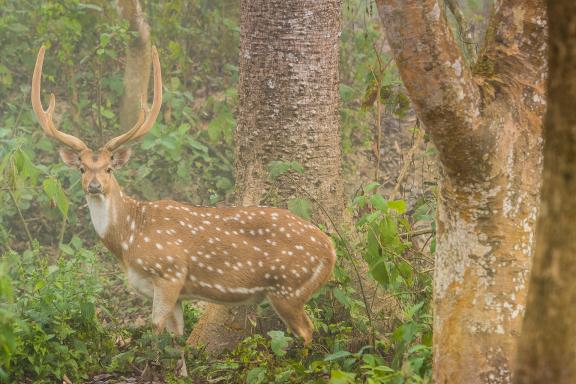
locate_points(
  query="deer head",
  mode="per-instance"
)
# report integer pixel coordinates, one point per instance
(97, 167)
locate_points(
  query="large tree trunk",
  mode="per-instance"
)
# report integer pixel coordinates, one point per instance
(138, 61)
(486, 126)
(288, 94)
(547, 348)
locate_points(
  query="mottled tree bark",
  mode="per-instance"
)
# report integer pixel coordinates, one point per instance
(288, 95)
(486, 125)
(547, 348)
(138, 56)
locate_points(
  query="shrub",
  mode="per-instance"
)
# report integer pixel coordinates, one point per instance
(53, 328)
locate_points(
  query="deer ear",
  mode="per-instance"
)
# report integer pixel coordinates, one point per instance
(120, 157)
(70, 158)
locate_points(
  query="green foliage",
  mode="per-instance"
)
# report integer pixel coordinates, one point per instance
(279, 342)
(7, 320)
(387, 252)
(300, 207)
(53, 328)
(279, 167)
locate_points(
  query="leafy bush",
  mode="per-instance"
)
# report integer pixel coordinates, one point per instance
(55, 329)
(7, 320)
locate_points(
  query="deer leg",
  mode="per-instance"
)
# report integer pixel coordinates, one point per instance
(167, 313)
(293, 315)
(175, 324)
(165, 299)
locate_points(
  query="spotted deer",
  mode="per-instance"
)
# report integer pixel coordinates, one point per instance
(172, 251)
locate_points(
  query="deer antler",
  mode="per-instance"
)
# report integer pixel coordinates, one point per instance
(45, 116)
(147, 117)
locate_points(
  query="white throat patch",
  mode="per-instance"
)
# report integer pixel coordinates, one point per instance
(100, 213)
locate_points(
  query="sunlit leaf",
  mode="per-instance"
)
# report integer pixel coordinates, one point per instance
(279, 342)
(54, 191)
(300, 207)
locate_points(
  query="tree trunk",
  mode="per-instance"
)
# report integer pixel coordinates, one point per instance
(138, 61)
(547, 351)
(288, 111)
(486, 125)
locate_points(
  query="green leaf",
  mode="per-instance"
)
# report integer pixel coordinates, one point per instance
(256, 375)
(224, 184)
(88, 310)
(197, 145)
(300, 207)
(359, 201)
(379, 272)
(413, 310)
(340, 377)
(279, 342)
(378, 202)
(389, 233)
(76, 242)
(406, 271)
(398, 205)
(54, 191)
(337, 355)
(372, 254)
(93, 7)
(175, 83)
(342, 297)
(67, 249)
(277, 168)
(372, 186)
(221, 125)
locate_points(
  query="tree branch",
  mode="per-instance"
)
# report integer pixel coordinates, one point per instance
(438, 81)
(514, 53)
(138, 61)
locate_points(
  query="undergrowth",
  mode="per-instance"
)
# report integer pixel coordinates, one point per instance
(60, 317)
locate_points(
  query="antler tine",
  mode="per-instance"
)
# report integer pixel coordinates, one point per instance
(142, 126)
(45, 116)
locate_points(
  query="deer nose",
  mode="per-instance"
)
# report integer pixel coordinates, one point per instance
(94, 186)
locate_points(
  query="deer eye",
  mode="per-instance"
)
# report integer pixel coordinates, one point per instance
(82, 170)
(108, 170)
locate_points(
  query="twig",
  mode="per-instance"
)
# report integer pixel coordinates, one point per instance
(407, 163)
(378, 78)
(17, 121)
(418, 232)
(30, 240)
(61, 236)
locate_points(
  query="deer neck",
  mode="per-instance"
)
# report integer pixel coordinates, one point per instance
(105, 210)
(114, 218)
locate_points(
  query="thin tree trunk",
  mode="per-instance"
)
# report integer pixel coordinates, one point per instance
(288, 94)
(138, 56)
(547, 348)
(486, 126)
